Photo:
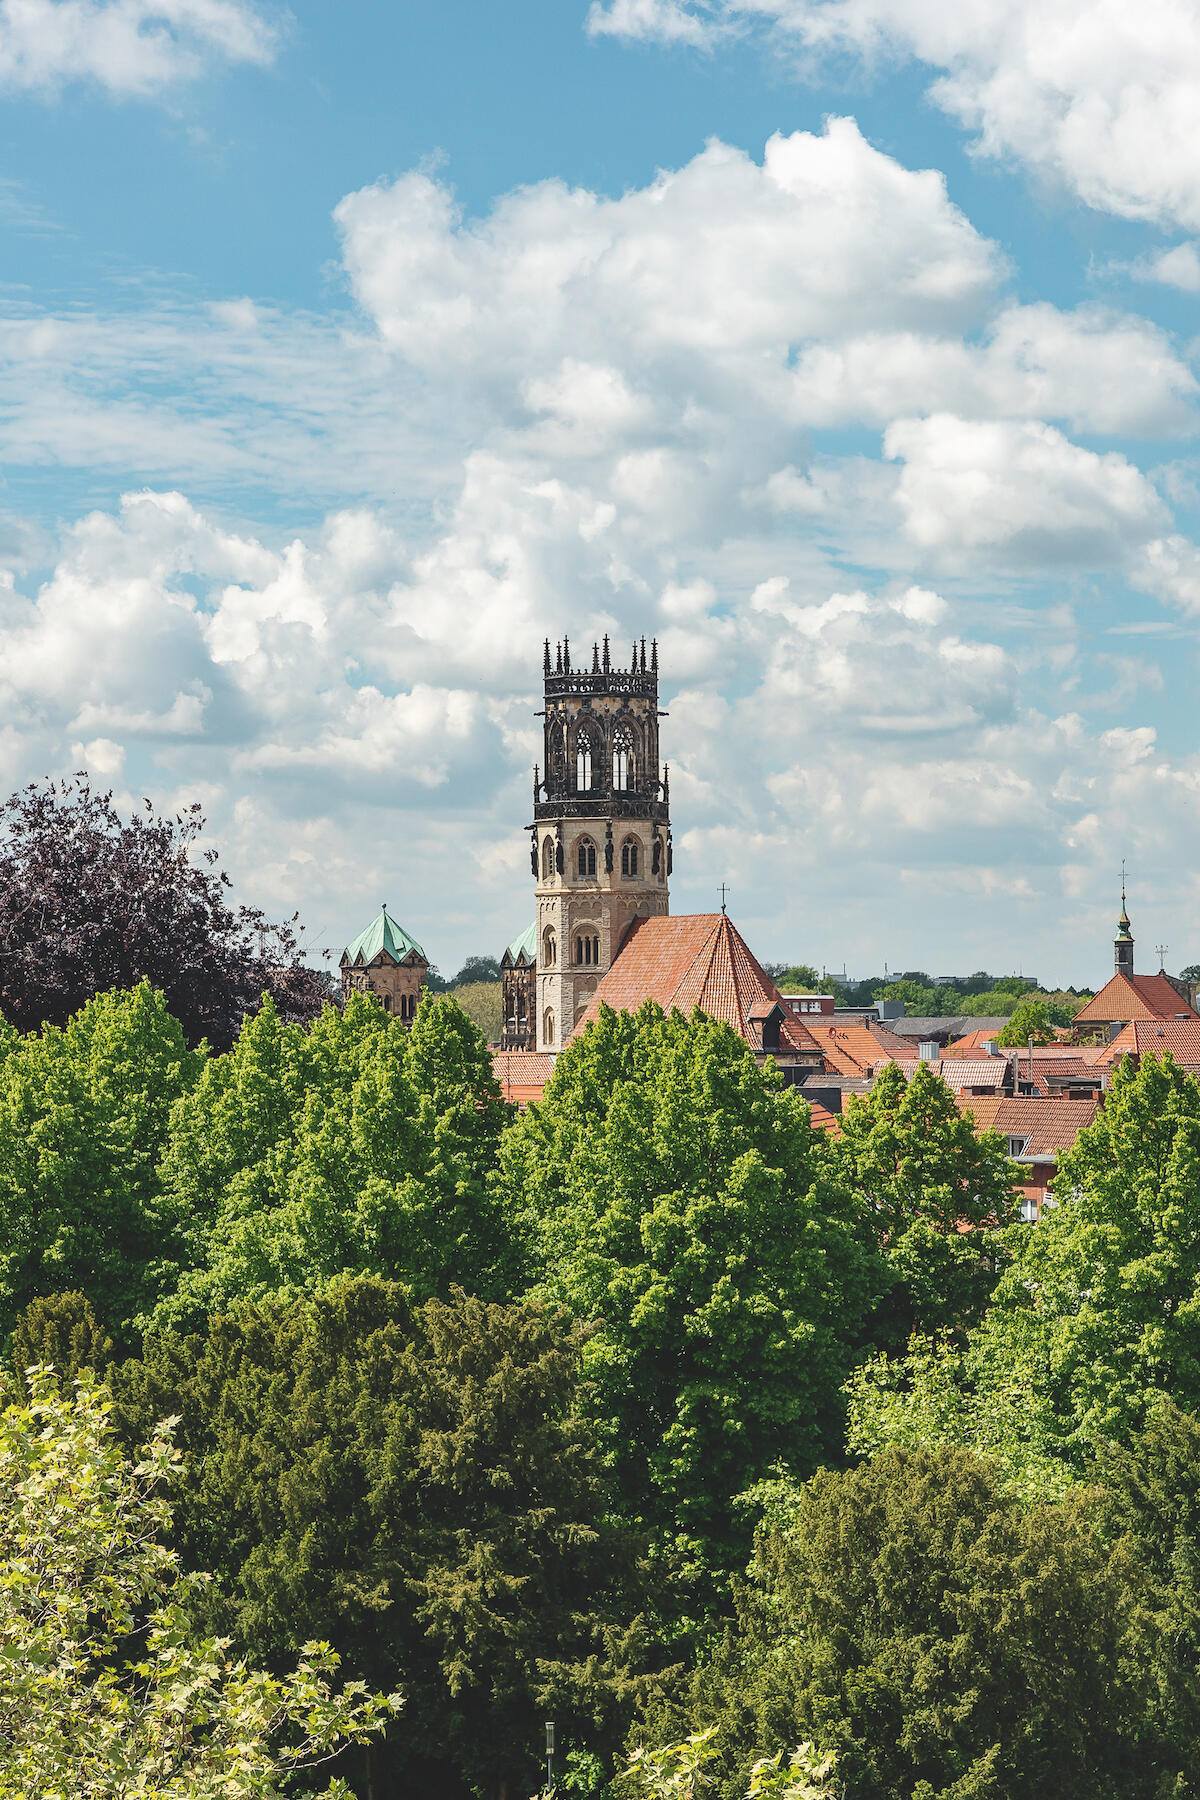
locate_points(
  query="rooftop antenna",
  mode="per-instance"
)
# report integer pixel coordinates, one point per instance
(1161, 950)
(723, 893)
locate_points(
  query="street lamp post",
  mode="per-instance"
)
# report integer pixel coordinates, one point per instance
(549, 1753)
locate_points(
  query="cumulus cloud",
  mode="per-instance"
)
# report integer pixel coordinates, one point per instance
(721, 260)
(129, 47)
(1022, 491)
(1098, 96)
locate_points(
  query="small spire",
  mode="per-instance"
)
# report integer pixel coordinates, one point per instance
(607, 664)
(566, 654)
(558, 658)
(546, 658)
(643, 656)
(595, 659)
(654, 656)
(633, 659)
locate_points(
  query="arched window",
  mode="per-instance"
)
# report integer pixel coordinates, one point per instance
(547, 858)
(629, 857)
(583, 762)
(549, 947)
(623, 762)
(586, 857)
(548, 1025)
(587, 950)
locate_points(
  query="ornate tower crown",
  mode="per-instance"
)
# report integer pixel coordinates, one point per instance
(1123, 942)
(601, 833)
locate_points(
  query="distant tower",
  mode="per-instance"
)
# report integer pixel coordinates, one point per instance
(601, 847)
(1123, 942)
(385, 960)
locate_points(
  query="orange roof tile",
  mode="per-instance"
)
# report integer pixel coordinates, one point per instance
(1134, 997)
(822, 1117)
(1050, 1125)
(1154, 1037)
(696, 961)
(522, 1074)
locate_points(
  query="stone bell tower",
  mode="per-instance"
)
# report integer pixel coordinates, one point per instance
(601, 836)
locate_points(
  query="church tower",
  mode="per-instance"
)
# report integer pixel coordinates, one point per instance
(601, 836)
(1123, 942)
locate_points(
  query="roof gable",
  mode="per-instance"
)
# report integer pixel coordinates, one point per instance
(1134, 997)
(697, 962)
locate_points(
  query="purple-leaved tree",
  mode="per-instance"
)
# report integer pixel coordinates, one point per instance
(91, 901)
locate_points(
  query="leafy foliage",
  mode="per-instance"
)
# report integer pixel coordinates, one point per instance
(91, 902)
(357, 1144)
(1099, 1312)
(937, 1637)
(1030, 1021)
(61, 1330)
(84, 1118)
(481, 1001)
(936, 1190)
(676, 1195)
(415, 1485)
(105, 1686)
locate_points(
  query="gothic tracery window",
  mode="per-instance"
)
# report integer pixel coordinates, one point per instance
(586, 857)
(547, 858)
(629, 857)
(583, 762)
(623, 759)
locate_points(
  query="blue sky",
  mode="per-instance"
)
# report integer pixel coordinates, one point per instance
(847, 345)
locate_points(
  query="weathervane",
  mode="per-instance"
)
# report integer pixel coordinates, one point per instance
(723, 892)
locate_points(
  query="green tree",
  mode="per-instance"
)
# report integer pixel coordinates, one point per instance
(357, 1144)
(481, 1001)
(62, 1331)
(939, 1638)
(106, 1687)
(1100, 1308)
(921, 1001)
(936, 1192)
(84, 1115)
(675, 1194)
(1030, 1020)
(414, 1484)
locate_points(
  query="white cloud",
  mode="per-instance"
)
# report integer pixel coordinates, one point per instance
(1021, 491)
(129, 47)
(653, 21)
(723, 260)
(1178, 268)
(1095, 94)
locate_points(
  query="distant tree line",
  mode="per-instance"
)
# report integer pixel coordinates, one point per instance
(978, 996)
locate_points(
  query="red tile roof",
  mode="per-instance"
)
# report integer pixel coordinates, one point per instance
(1154, 1037)
(853, 1049)
(522, 1074)
(1050, 1125)
(696, 961)
(1134, 997)
(823, 1118)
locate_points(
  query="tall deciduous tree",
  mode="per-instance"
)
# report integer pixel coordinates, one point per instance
(90, 901)
(106, 1687)
(1101, 1308)
(414, 1484)
(357, 1144)
(676, 1195)
(84, 1116)
(936, 1190)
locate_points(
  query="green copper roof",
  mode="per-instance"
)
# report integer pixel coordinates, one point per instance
(383, 933)
(526, 942)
